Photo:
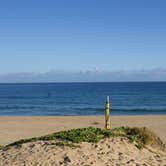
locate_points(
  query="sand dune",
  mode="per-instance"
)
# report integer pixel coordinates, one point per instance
(112, 151)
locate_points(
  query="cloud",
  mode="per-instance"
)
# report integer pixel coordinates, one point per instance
(158, 74)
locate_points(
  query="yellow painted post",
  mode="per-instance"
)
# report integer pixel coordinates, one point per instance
(107, 114)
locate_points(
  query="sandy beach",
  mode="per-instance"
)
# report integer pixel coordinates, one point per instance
(109, 151)
(15, 128)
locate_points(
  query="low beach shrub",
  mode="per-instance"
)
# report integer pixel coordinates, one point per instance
(139, 136)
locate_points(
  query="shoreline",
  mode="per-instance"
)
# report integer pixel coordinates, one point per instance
(97, 115)
(14, 128)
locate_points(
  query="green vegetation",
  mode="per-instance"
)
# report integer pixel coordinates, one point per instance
(64, 143)
(1, 147)
(139, 136)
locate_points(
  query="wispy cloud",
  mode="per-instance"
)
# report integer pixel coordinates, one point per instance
(158, 74)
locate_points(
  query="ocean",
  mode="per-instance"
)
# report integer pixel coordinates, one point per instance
(49, 99)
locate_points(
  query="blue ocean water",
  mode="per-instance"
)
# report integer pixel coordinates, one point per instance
(82, 98)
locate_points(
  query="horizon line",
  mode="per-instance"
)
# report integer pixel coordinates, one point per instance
(82, 82)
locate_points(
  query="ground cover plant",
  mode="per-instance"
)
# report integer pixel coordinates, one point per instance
(139, 136)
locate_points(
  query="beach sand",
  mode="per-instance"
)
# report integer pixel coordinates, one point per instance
(15, 128)
(115, 151)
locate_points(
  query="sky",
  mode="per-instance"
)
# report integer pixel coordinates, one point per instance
(62, 36)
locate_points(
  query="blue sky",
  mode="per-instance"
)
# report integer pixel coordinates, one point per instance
(79, 35)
